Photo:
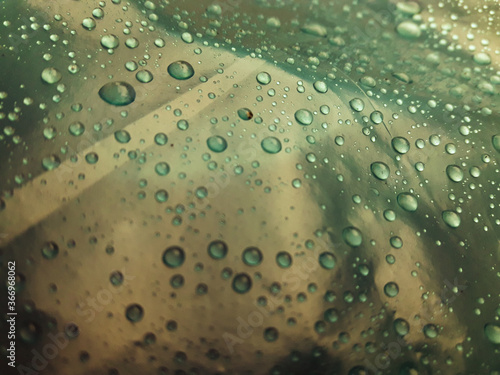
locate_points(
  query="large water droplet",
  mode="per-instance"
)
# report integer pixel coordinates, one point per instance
(252, 256)
(110, 41)
(174, 257)
(400, 145)
(391, 289)
(495, 140)
(492, 332)
(284, 259)
(327, 260)
(245, 114)
(122, 136)
(451, 218)
(357, 104)
(117, 93)
(430, 331)
(401, 327)
(408, 202)
(180, 70)
(217, 249)
(304, 117)
(242, 283)
(51, 162)
(352, 236)
(134, 313)
(51, 75)
(380, 170)
(216, 143)
(454, 173)
(271, 145)
(264, 78)
(409, 30)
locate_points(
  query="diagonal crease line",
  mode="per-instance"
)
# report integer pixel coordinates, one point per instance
(45, 194)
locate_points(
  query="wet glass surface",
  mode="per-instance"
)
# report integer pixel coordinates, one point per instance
(250, 187)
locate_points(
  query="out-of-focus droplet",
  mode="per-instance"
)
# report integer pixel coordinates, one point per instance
(409, 30)
(352, 236)
(51, 75)
(173, 257)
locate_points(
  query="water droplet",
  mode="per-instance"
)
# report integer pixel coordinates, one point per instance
(161, 196)
(162, 168)
(92, 158)
(492, 332)
(314, 29)
(380, 170)
(482, 58)
(271, 145)
(304, 117)
(182, 125)
(495, 140)
(180, 70)
(132, 43)
(134, 313)
(161, 139)
(51, 162)
(271, 334)
(252, 256)
(320, 87)
(242, 283)
(454, 173)
(377, 117)
(352, 236)
(401, 327)
(117, 93)
(451, 218)
(50, 250)
(187, 37)
(407, 202)
(389, 215)
(217, 249)
(88, 24)
(174, 257)
(391, 289)
(76, 128)
(409, 30)
(216, 143)
(51, 75)
(116, 278)
(327, 260)
(122, 136)
(357, 104)
(110, 41)
(144, 76)
(400, 145)
(331, 315)
(430, 331)
(245, 114)
(264, 78)
(284, 259)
